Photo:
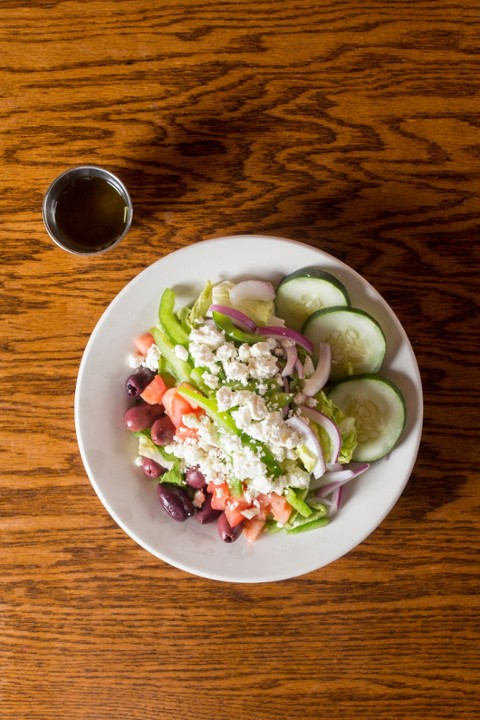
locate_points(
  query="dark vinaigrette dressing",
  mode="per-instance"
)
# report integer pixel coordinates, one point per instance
(90, 214)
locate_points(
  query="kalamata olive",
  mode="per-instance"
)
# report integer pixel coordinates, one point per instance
(138, 381)
(207, 514)
(226, 531)
(151, 468)
(175, 501)
(142, 416)
(162, 430)
(195, 478)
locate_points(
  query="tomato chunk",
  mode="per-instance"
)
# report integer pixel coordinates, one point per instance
(220, 495)
(280, 508)
(176, 406)
(253, 528)
(154, 392)
(234, 510)
(143, 342)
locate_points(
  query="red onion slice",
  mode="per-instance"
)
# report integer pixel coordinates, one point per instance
(346, 473)
(339, 478)
(311, 442)
(321, 373)
(252, 290)
(331, 466)
(329, 426)
(276, 331)
(239, 318)
(300, 369)
(337, 497)
(291, 359)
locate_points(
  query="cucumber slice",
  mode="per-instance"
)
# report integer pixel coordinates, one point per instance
(304, 291)
(357, 340)
(379, 410)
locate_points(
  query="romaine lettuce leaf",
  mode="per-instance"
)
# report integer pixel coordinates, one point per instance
(200, 307)
(345, 424)
(174, 476)
(260, 311)
(148, 449)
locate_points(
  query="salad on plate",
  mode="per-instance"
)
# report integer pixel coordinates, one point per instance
(254, 405)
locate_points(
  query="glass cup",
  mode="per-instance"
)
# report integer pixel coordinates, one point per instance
(87, 210)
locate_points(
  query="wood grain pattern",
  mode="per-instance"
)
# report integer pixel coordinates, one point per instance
(352, 126)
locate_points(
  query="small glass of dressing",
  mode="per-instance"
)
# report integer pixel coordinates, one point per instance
(87, 210)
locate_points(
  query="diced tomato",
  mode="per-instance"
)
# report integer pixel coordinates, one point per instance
(263, 502)
(180, 407)
(275, 505)
(177, 406)
(234, 509)
(143, 342)
(154, 392)
(280, 508)
(191, 402)
(168, 399)
(220, 495)
(253, 528)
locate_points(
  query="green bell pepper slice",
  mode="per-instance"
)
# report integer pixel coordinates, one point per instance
(311, 525)
(168, 320)
(224, 323)
(181, 369)
(296, 501)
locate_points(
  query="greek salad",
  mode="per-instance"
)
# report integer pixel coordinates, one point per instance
(254, 405)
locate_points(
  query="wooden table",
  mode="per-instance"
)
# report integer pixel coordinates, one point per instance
(350, 126)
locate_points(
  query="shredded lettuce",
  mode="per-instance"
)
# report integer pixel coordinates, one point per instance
(174, 476)
(345, 424)
(200, 307)
(307, 458)
(148, 449)
(348, 432)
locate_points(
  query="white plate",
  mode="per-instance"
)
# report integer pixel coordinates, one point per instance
(108, 450)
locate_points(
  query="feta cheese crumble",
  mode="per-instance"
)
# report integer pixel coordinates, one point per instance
(152, 357)
(210, 350)
(135, 360)
(181, 352)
